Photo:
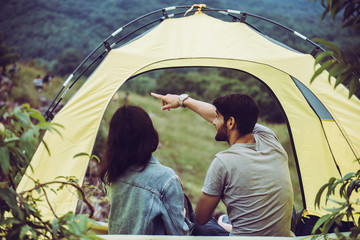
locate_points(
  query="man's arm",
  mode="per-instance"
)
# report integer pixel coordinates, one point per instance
(205, 110)
(205, 208)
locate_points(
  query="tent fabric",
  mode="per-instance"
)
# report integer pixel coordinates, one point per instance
(326, 143)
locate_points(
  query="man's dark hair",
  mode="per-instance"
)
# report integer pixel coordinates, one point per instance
(240, 106)
(131, 141)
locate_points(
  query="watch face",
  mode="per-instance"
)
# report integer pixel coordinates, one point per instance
(183, 96)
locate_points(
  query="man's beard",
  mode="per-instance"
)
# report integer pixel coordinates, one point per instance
(221, 134)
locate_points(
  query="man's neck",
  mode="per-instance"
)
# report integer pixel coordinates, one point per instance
(247, 139)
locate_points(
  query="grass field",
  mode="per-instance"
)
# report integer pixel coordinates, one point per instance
(187, 143)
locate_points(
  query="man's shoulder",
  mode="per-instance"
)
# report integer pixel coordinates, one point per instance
(227, 155)
(224, 153)
(261, 129)
(266, 134)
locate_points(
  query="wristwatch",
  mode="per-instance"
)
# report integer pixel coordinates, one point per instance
(182, 98)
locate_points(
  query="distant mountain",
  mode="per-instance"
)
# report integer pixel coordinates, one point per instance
(46, 28)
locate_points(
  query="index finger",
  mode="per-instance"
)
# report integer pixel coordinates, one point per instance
(157, 95)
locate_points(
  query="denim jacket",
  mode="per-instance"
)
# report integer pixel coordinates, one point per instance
(148, 202)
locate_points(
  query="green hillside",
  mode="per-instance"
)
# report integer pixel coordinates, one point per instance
(45, 29)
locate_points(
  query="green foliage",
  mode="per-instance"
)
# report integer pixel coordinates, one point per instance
(20, 216)
(349, 9)
(143, 85)
(23, 95)
(67, 61)
(344, 68)
(345, 210)
(343, 65)
(20, 88)
(7, 54)
(43, 29)
(18, 141)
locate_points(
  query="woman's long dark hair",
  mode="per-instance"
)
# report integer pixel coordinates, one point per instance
(131, 141)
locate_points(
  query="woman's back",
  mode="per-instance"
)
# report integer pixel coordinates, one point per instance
(148, 202)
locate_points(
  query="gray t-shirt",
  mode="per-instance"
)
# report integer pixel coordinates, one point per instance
(254, 183)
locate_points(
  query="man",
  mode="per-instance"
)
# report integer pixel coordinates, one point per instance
(251, 177)
(47, 78)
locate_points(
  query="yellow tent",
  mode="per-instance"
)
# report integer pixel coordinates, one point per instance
(323, 123)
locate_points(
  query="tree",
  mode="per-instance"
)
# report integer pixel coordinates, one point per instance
(67, 61)
(20, 215)
(344, 65)
(7, 54)
(346, 187)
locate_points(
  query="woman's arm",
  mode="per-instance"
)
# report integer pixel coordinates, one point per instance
(174, 219)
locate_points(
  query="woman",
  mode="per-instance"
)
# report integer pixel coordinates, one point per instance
(146, 197)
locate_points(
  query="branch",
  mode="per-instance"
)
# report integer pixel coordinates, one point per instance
(47, 200)
(65, 183)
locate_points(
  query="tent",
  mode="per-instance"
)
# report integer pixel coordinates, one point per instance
(322, 122)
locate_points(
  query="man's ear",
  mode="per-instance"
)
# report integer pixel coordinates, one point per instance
(231, 123)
